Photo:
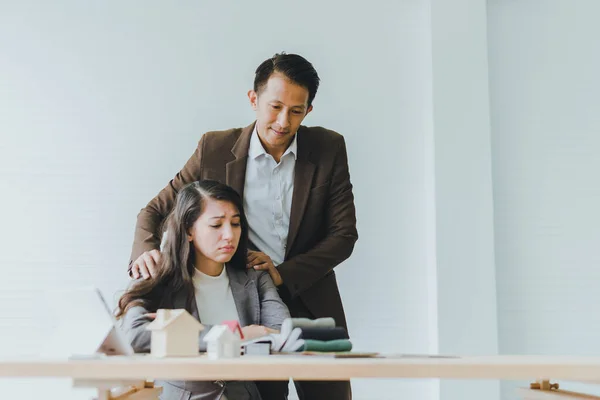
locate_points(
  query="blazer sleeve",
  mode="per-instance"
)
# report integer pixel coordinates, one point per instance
(134, 327)
(304, 270)
(150, 218)
(272, 309)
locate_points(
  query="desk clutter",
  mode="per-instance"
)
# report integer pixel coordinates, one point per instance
(175, 334)
(302, 334)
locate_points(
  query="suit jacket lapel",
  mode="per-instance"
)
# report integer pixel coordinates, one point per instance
(180, 302)
(245, 296)
(236, 169)
(303, 176)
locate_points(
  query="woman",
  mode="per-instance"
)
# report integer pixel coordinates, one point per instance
(204, 271)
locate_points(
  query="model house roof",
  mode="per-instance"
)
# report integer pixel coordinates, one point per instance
(168, 318)
(219, 332)
(234, 326)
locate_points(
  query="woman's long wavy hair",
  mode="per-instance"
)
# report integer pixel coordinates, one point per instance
(177, 264)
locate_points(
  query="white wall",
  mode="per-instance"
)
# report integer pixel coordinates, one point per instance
(544, 85)
(102, 103)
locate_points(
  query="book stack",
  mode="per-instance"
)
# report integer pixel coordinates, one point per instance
(303, 335)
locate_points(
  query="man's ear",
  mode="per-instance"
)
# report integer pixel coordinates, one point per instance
(253, 97)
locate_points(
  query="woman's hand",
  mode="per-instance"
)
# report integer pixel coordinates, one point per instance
(255, 331)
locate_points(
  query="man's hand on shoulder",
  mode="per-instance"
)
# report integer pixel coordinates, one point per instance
(146, 266)
(262, 262)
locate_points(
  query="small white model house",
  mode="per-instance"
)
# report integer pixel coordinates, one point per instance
(224, 341)
(174, 334)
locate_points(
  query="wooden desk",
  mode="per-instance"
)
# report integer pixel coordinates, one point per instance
(115, 369)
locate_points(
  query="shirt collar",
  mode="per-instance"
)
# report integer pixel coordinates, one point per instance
(256, 148)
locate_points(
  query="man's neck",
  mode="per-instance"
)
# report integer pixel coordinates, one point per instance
(275, 152)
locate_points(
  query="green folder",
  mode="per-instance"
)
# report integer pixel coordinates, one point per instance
(327, 346)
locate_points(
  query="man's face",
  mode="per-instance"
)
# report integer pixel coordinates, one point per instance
(280, 108)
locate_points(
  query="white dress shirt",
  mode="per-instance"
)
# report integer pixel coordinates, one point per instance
(268, 193)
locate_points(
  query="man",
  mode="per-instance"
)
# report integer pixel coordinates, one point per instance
(297, 195)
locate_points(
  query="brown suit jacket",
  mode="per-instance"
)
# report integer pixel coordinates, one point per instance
(322, 230)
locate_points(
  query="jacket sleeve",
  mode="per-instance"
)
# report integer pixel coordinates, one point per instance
(272, 309)
(134, 327)
(150, 218)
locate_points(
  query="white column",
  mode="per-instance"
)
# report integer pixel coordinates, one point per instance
(463, 269)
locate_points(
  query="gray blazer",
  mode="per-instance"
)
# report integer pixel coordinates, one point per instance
(257, 303)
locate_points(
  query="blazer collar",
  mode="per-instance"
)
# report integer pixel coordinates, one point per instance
(244, 292)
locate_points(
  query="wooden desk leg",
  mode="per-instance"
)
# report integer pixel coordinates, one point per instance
(543, 384)
(542, 389)
(555, 394)
(121, 390)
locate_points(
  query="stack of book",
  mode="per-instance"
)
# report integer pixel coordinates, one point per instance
(302, 335)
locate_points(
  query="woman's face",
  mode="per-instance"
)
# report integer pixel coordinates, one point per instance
(216, 233)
